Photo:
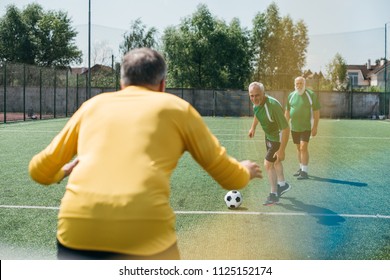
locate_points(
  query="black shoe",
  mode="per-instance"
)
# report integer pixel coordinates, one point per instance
(296, 174)
(271, 199)
(303, 176)
(284, 189)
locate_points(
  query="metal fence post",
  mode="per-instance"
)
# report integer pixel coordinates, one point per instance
(117, 80)
(351, 100)
(40, 93)
(55, 94)
(24, 92)
(5, 93)
(86, 88)
(385, 74)
(77, 91)
(66, 93)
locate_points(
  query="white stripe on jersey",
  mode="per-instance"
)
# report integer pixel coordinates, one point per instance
(266, 108)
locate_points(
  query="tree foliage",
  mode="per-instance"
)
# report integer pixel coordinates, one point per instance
(279, 46)
(337, 72)
(201, 52)
(37, 37)
(205, 52)
(16, 44)
(138, 36)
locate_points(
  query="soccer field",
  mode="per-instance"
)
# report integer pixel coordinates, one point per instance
(341, 213)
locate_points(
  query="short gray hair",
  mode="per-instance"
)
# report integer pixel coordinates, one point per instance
(258, 85)
(300, 78)
(143, 66)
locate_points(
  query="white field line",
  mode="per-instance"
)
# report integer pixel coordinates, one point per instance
(28, 130)
(28, 123)
(29, 207)
(355, 137)
(220, 136)
(325, 136)
(377, 216)
(283, 214)
(216, 133)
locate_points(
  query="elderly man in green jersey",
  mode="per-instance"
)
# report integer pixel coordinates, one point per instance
(303, 109)
(269, 112)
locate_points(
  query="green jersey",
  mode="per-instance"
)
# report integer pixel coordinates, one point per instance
(271, 117)
(301, 109)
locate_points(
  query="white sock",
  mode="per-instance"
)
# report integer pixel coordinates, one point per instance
(282, 183)
(304, 168)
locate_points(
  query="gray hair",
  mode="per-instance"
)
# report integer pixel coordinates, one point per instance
(300, 78)
(142, 67)
(258, 85)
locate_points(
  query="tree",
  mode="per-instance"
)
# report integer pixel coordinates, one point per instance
(34, 36)
(55, 38)
(294, 42)
(138, 37)
(205, 52)
(15, 42)
(102, 54)
(279, 48)
(337, 72)
(265, 34)
(232, 54)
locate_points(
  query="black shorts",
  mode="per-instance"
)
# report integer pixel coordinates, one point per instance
(300, 136)
(65, 253)
(272, 148)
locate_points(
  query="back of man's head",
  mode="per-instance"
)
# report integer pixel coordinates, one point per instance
(142, 67)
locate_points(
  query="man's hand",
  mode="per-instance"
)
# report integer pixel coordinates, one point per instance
(68, 168)
(251, 133)
(280, 155)
(314, 131)
(253, 168)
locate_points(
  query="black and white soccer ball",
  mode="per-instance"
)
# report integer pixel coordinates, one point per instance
(233, 199)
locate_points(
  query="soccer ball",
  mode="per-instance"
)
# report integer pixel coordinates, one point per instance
(233, 199)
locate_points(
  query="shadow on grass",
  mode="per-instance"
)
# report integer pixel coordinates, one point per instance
(324, 216)
(336, 181)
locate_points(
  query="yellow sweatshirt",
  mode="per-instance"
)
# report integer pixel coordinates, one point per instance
(128, 143)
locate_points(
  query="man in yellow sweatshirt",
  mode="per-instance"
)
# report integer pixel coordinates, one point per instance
(116, 203)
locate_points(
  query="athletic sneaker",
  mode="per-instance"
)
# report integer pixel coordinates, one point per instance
(284, 189)
(296, 174)
(271, 199)
(303, 176)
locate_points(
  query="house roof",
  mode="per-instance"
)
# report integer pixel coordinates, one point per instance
(368, 69)
(380, 68)
(362, 68)
(79, 70)
(96, 67)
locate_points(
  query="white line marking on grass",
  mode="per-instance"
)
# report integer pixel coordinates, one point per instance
(37, 122)
(233, 212)
(30, 207)
(221, 139)
(237, 140)
(221, 135)
(385, 122)
(28, 130)
(355, 137)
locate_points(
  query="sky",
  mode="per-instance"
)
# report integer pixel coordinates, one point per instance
(353, 28)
